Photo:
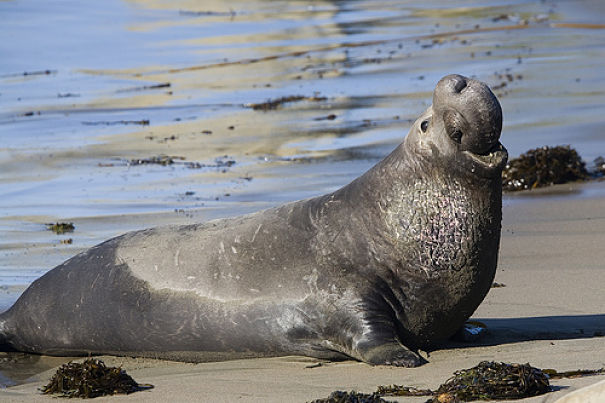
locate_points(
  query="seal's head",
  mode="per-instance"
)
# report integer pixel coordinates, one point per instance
(463, 126)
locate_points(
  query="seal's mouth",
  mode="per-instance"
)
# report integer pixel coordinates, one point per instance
(478, 143)
(494, 160)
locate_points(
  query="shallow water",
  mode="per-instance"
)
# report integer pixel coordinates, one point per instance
(112, 82)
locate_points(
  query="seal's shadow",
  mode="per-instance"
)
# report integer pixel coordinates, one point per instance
(514, 330)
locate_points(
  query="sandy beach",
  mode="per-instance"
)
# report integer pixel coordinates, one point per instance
(550, 314)
(93, 95)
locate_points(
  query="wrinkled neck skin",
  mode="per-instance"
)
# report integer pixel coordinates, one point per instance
(419, 223)
(420, 196)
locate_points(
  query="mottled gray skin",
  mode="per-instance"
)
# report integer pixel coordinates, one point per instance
(395, 261)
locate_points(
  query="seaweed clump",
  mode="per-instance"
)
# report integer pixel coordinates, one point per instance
(61, 227)
(162, 159)
(487, 381)
(351, 397)
(494, 380)
(543, 166)
(400, 390)
(273, 104)
(90, 379)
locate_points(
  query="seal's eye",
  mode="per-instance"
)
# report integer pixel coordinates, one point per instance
(424, 125)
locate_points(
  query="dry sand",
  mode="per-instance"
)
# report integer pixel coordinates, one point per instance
(550, 314)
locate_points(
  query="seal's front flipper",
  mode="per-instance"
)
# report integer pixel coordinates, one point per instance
(389, 353)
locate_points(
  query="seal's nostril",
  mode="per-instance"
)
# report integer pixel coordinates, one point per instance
(459, 84)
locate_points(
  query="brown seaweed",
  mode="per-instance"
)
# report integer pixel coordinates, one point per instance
(90, 379)
(487, 381)
(146, 87)
(61, 227)
(578, 373)
(495, 380)
(543, 166)
(156, 160)
(142, 122)
(273, 104)
(222, 162)
(398, 390)
(351, 397)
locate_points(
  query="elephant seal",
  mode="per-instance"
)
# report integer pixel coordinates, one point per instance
(395, 261)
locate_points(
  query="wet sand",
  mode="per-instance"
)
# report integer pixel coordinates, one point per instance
(550, 314)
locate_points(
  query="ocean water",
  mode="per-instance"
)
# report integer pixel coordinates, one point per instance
(89, 90)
